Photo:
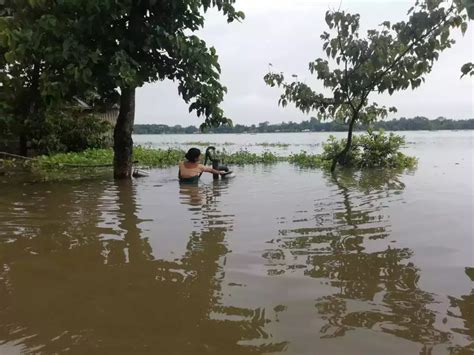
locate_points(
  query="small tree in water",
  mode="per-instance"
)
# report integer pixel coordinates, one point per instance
(395, 57)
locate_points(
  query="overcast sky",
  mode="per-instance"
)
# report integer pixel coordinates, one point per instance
(286, 34)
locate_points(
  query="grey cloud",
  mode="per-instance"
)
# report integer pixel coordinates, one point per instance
(286, 33)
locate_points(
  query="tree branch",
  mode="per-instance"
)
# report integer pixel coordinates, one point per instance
(344, 58)
(405, 52)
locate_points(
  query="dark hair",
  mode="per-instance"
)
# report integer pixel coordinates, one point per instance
(193, 155)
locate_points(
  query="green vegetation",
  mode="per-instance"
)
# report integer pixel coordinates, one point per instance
(372, 150)
(393, 58)
(244, 157)
(306, 160)
(86, 157)
(72, 132)
(53, 51)
(144, 157)
(316, 125)
(104, 157)
(44, 64)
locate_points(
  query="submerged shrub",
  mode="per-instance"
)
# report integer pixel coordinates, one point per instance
(71, 132)
(86, 157)
(371, 150)
(306, 160)
(157, 157)
(377, 149)
(243, 157)
(144, 157)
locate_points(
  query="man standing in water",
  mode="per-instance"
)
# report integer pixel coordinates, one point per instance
(191, 170)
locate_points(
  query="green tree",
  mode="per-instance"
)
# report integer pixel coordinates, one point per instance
(468, 68)
(393, 58)
(21, 79)
(143, 41)
(44, 62)
(104, 46)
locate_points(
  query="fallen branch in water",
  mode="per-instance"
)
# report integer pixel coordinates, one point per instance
(15, 156)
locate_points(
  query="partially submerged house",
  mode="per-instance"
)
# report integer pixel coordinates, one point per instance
(110, 115)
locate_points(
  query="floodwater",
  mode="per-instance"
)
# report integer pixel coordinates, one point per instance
(276, 260)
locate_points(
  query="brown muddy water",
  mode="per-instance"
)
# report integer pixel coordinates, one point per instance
(276, 260)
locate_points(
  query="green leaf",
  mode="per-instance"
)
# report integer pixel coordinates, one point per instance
(469, 4)
(10, 57)
(470, 272)
(467, 68)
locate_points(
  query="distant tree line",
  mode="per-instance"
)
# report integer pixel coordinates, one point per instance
(314, 125)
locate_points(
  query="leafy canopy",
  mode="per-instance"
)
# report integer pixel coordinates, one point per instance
(388, 59)
(100, 46)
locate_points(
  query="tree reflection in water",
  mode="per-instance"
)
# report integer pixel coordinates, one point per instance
(463, 308)
(375, 286)
(79, 285)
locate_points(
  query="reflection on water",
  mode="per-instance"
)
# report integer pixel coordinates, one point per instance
(463, 308)
(81, 271)
(65, 288)
(345, 243)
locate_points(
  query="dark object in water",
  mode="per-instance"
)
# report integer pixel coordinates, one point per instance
(229, 174)
(137, 173)
(215, 163)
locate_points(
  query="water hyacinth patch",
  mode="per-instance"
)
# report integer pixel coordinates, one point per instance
(148, 157)
(371, 150)
(244, 157)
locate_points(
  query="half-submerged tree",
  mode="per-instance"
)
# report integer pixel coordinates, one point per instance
(393, 58)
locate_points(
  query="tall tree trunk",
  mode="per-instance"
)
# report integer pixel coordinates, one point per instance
(123, 142)
(341, 157)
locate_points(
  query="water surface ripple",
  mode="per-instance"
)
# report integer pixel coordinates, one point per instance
(277, 260)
